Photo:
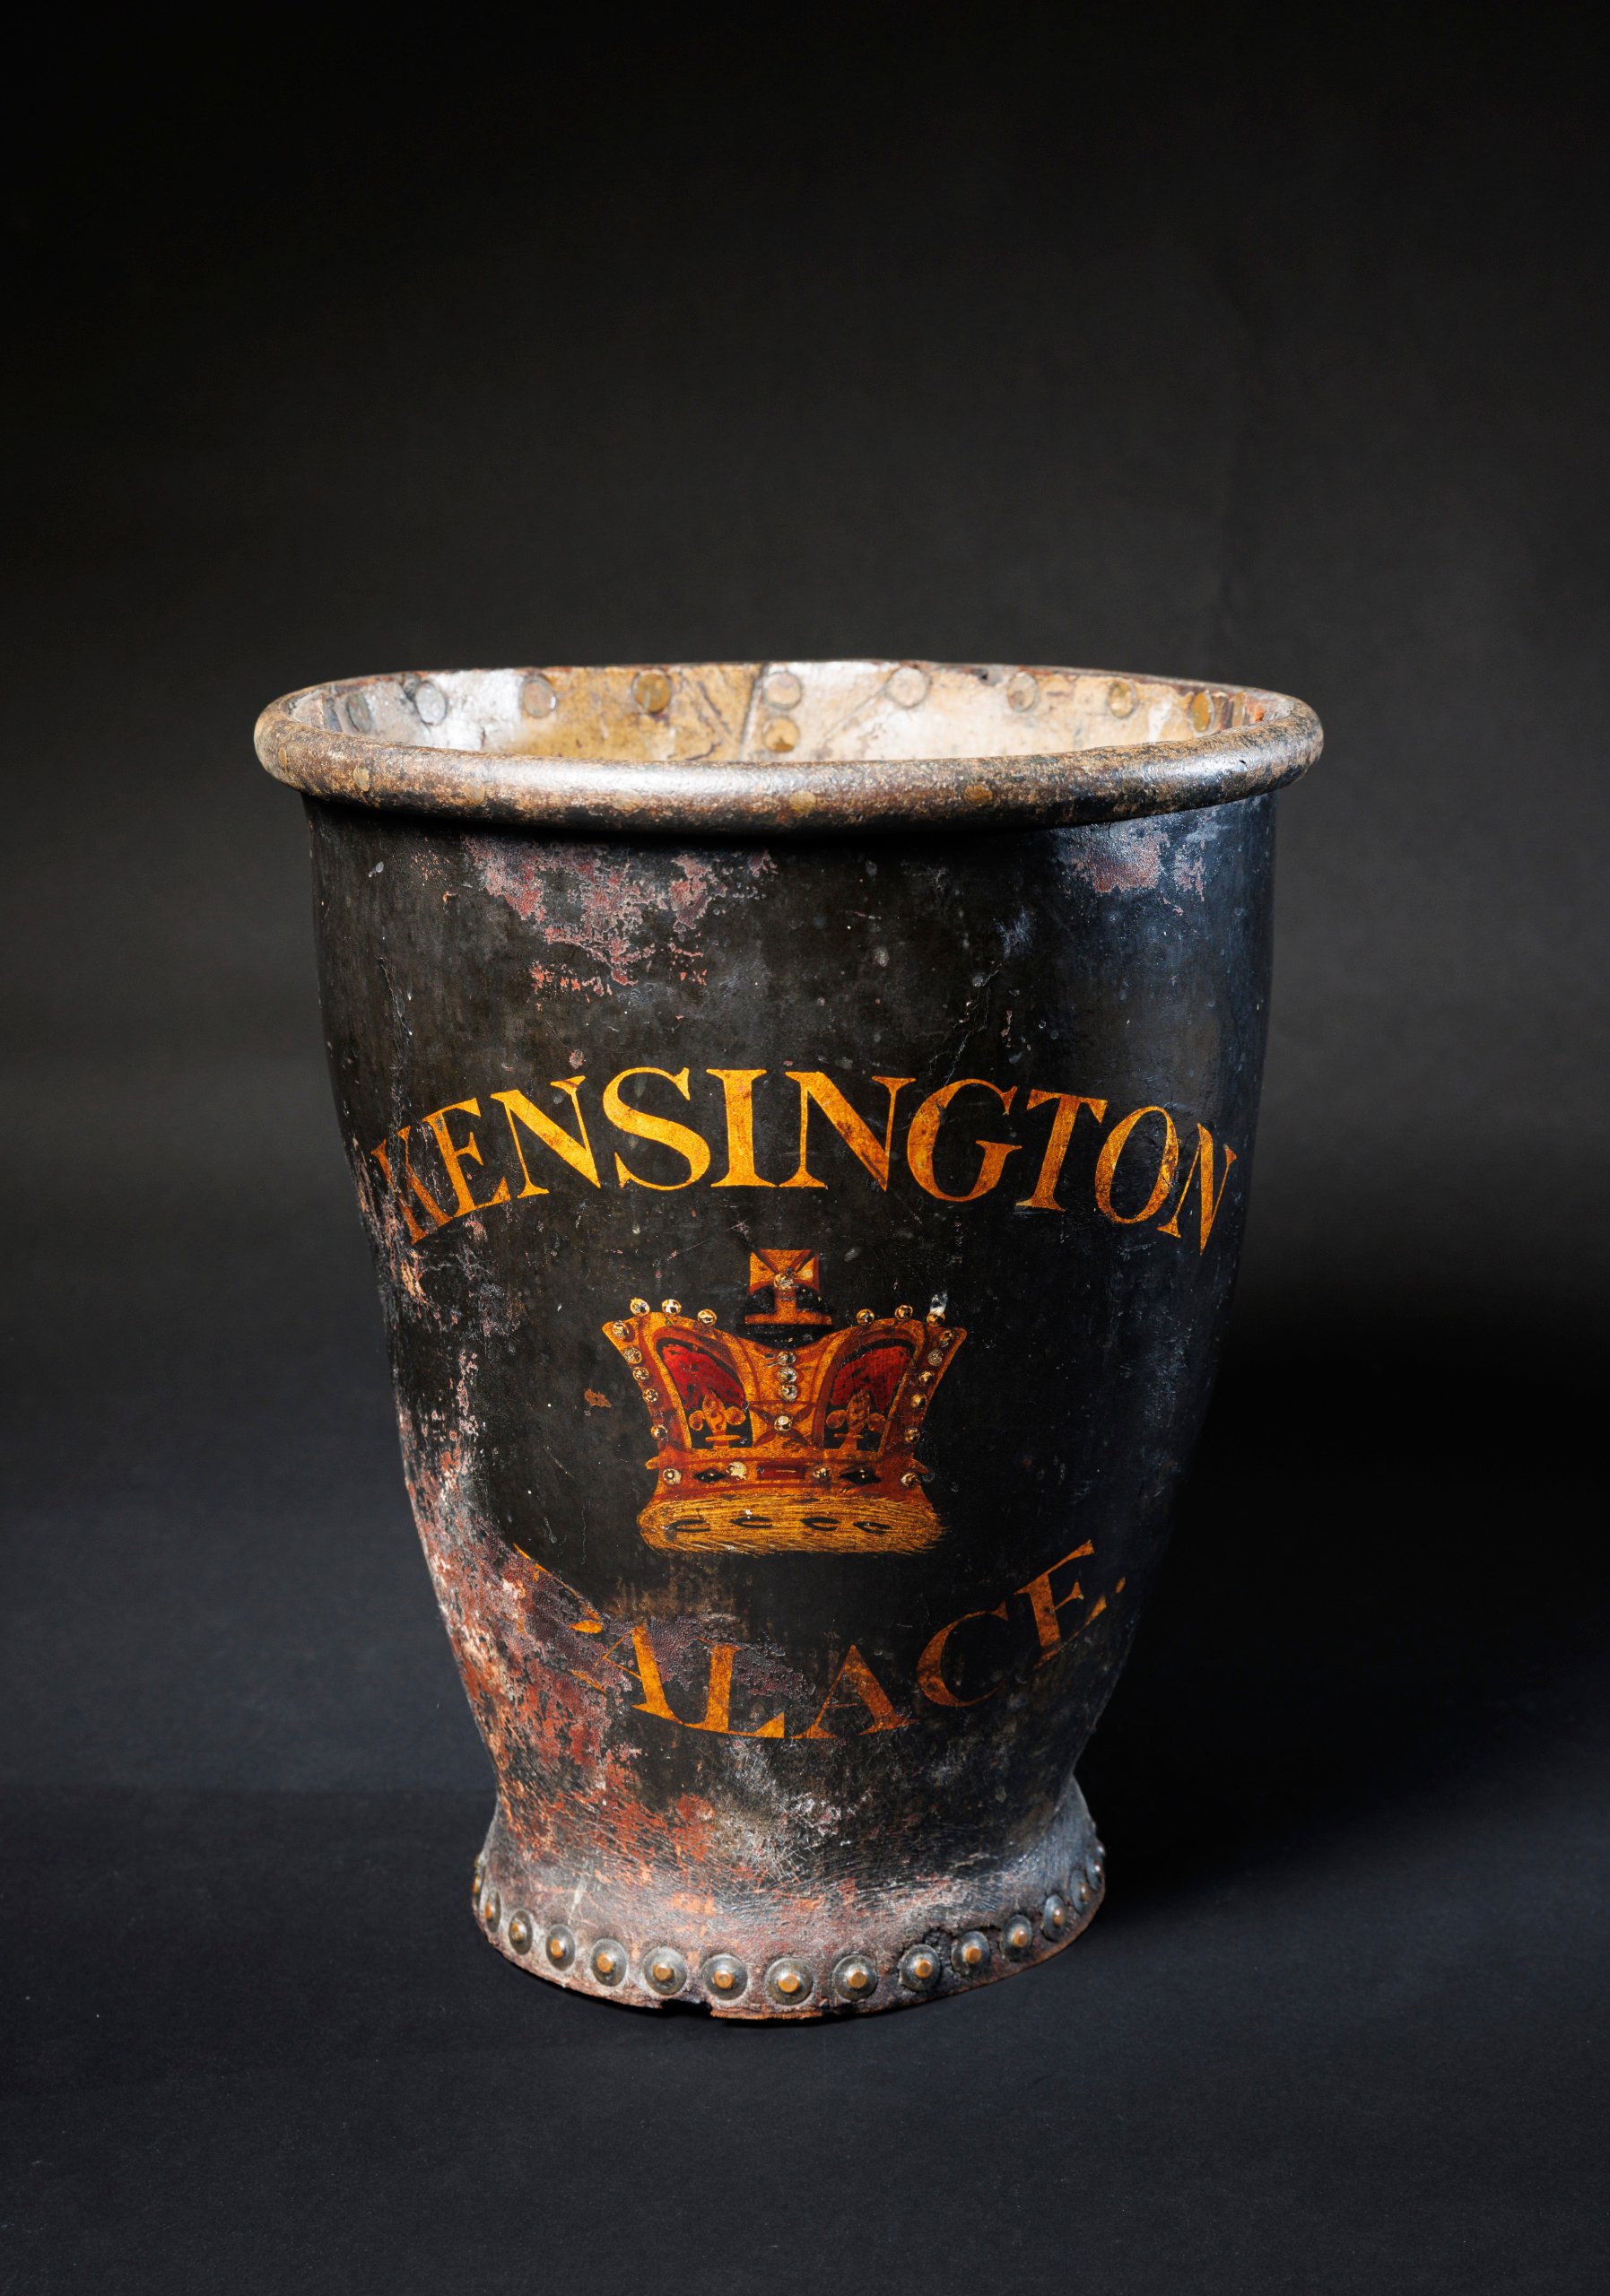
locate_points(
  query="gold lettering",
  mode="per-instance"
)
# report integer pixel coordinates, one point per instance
(610, 1658)
(925, 1132)
(453, 1157)
(681, 1138)
(653, 1700)
(738, 1084)
(856, 1678)
(1210, 1200)
(853, 1130)
(1107, 1164)
(1068, 1105)
(438, 1215)
(930, 1667)
(1045, 1605)
(576, 1153)
(717, 1717)
(717, 1704)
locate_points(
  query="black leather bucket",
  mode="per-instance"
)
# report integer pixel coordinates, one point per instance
(802, 1113)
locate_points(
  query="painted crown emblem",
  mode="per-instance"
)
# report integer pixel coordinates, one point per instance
(791, 1434)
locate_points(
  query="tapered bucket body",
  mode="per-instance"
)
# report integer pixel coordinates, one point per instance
(803, 1115)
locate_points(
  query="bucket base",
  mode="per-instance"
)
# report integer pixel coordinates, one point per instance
(847, 1951)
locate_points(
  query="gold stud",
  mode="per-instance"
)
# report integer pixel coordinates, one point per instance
(788, 1982)
(970, 1955)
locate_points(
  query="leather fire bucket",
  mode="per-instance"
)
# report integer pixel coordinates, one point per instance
(803, 1115)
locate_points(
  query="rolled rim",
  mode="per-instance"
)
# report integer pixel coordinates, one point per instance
(784, 748)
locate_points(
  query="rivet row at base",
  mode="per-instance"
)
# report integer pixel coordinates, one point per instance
(789, 1982)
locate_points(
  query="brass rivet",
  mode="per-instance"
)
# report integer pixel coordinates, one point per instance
(788, 1981)
(865, 1315)
(783, 691)
(781, 735)
(919, 1969)
(537, 698)
(903, 1313)
(803, 801)
(608, 1961)
(908, 686)
(519, 1932)
(651, 690)
(561, 1948)
(1023, 691)
(360, 717)
(670, 1307)
(430, 701)
(855, 1977)
(1053, 1916)
(971, 1953)
(724, 1974)
(706, 1315)
(1018, 1934)
(978, 792)
(1199, 710)
(491, 1908)
(1121, 698)
(665, 1970)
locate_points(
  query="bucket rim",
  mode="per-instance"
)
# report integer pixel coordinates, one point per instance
(448, 744)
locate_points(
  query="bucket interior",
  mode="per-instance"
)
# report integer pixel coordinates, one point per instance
(800, 712)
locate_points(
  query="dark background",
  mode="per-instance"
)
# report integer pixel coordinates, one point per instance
(1267, 352)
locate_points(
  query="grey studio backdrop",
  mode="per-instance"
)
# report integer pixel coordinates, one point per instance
(1130, 396)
